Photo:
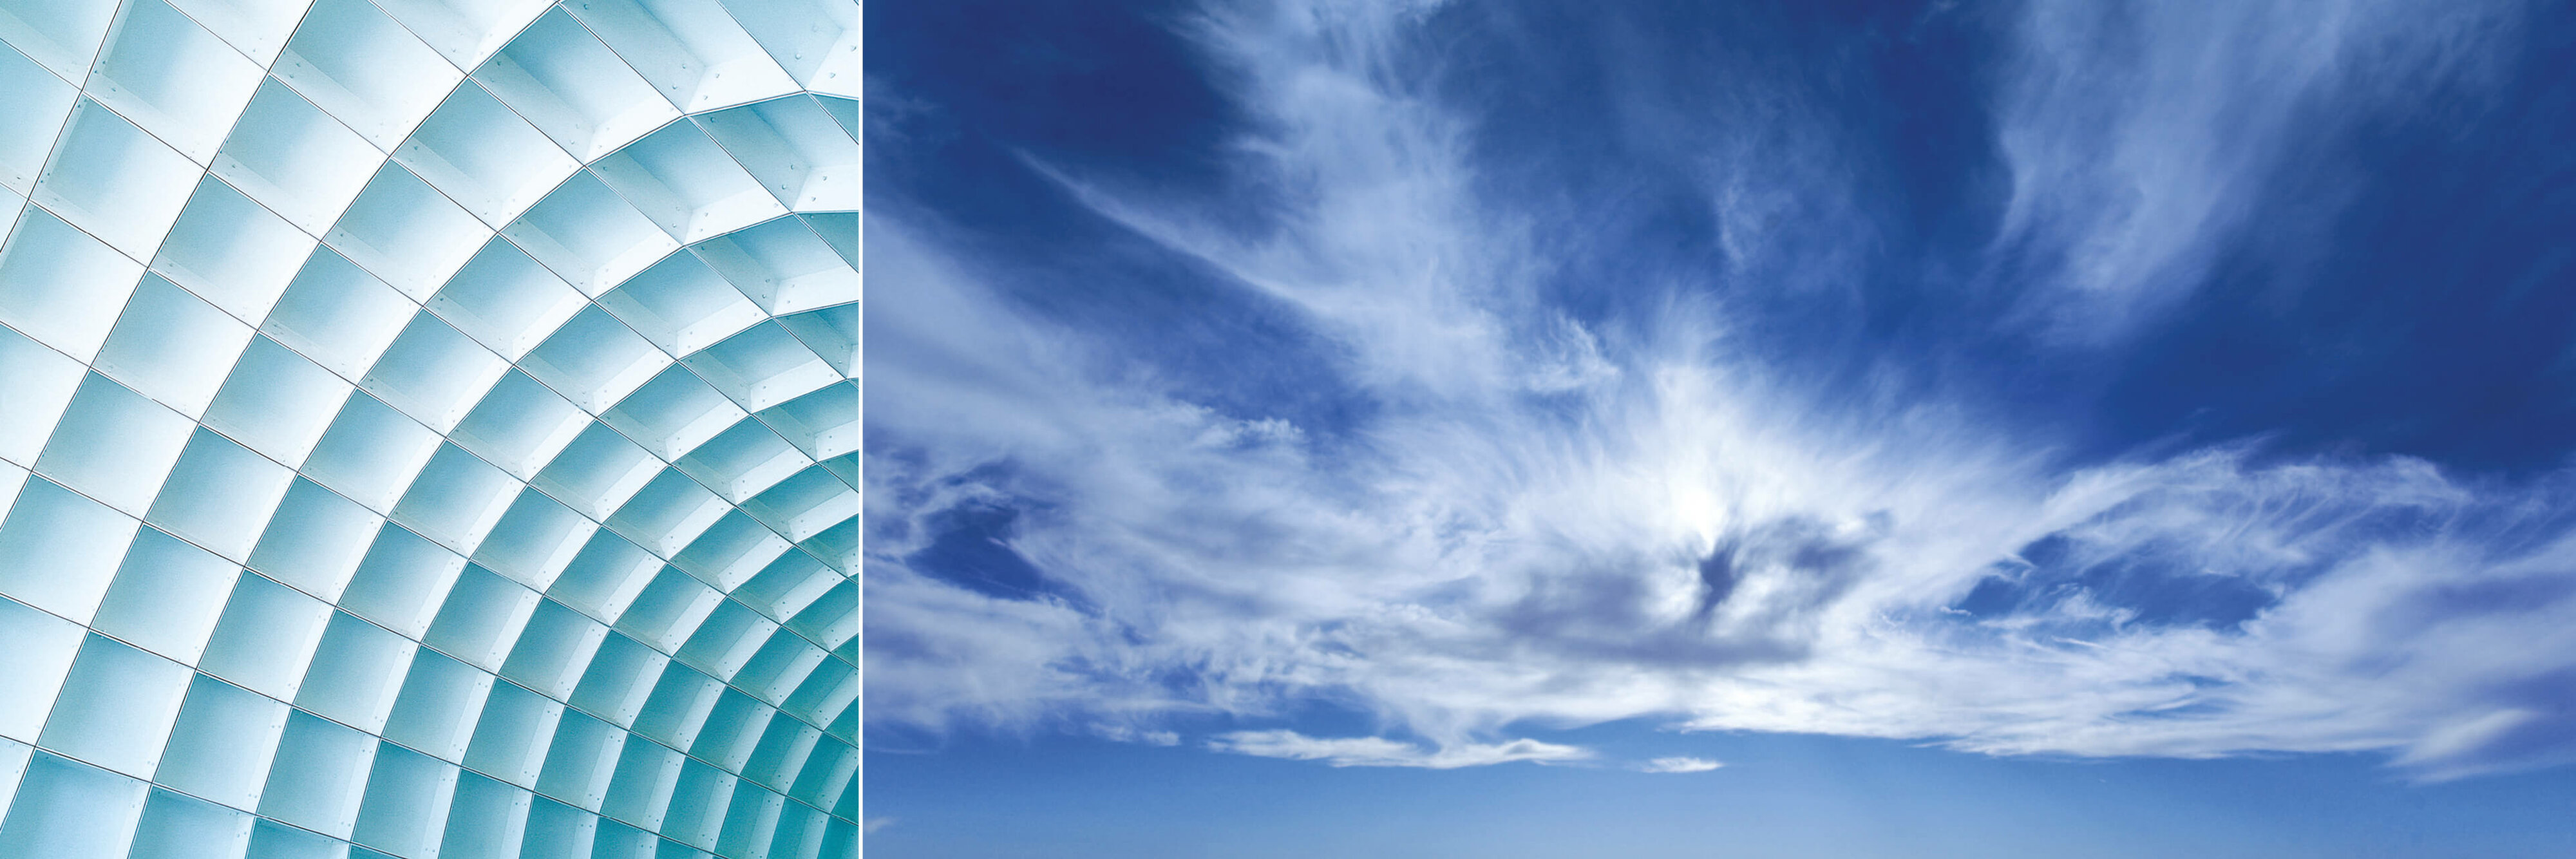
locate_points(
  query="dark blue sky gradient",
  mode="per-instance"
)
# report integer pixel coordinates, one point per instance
(2398, 296)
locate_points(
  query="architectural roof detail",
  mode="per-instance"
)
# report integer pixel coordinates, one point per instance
(428, 428)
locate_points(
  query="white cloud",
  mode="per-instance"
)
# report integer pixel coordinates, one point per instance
(1143, 736)
(2136, 133)
(1543, 522)
(1678, 765)
(1382, 752)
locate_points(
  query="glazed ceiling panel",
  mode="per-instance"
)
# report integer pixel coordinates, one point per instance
(427, 428)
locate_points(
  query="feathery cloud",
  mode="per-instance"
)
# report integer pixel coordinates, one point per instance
(1562, 518)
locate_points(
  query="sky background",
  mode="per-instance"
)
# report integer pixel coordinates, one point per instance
(1514, 428)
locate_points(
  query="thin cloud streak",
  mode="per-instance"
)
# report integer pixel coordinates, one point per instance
(1382, 752)
(2138, 133)
(1678, 765)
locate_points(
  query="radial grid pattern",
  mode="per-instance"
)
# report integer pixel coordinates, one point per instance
(427, 428)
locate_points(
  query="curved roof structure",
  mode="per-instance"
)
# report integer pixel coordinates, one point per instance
(427, 428)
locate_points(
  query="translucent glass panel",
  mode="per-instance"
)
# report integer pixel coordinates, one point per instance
(569, 85)
(692, 51)
(173, 78)
(114, 181)
(364, 69)
(36, 102)
(418, 423)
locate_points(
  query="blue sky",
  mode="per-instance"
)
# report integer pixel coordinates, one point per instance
(1973, 414)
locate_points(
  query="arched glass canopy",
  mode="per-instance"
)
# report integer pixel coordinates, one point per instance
(427, 428)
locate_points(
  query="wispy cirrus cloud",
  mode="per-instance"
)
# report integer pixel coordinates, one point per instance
(1678, 765)
(1382, 752)
(2140, 135)
(1552, 517)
